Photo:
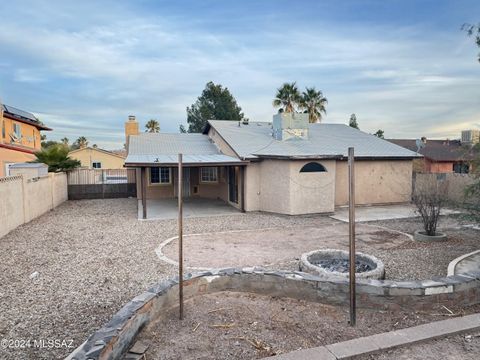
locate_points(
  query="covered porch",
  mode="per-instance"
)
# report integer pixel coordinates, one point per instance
(211, 185)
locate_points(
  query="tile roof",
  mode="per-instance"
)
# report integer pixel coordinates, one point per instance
(437, 150)
(324, 141)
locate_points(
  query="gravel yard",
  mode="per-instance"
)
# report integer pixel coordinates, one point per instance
(67, 272)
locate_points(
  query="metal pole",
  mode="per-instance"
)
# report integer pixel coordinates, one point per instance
(180, 236)
(143, 174)
(351, 232)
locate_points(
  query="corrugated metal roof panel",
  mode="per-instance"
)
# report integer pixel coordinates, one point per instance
(171, 144)
(162, 148)
(324, 140)
(27, 165)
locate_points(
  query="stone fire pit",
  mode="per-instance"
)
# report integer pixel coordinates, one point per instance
(334, 263)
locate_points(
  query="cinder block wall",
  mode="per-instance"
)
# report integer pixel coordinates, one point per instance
(23, 199)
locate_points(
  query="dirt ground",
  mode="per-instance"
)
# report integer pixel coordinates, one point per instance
(281, 247)
(269, 246)
(232, 325)
(66, 273)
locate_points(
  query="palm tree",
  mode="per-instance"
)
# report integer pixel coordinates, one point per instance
(287, 97)
(65, 141)
(152, 126)
(56, 157)
(313, 102)
(81, 142)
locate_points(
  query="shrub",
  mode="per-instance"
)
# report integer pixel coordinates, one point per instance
(429, 198)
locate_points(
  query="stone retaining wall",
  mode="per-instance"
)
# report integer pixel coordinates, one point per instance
(112, 340)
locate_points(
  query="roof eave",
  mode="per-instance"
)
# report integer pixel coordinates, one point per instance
(187, 164)
(335, 157)
(26, 121)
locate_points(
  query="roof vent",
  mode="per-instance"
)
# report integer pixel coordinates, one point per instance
(421, 143)
(290, 125)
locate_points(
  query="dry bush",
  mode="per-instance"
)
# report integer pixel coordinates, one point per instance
(430, 197)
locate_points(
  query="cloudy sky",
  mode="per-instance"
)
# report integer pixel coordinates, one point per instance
(402, 66)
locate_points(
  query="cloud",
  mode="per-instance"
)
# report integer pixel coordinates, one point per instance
(86, 67)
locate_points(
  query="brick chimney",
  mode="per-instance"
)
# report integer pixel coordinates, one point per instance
(131, 128)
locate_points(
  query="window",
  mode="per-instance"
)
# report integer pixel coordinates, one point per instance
(3, 130)
(160, 175)
(17, 130)
(461, 168)
(96, 165)
(208, 174)
(313, 167)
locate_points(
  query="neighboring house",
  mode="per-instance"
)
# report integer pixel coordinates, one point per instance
(20, 137)
(288, 166)
(439, 156)
(94, 158)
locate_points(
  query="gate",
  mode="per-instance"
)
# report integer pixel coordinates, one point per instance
(101, 184)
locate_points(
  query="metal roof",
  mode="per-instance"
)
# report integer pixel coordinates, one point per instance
(324, 141)
(28, 165)
(163, 149)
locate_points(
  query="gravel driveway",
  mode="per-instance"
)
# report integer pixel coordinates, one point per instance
(93, 256)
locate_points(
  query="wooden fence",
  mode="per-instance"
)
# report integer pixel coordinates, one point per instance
(101, 184)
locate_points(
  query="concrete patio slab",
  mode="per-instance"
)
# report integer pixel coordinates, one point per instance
(166, 209)
(382, 212)
(317, 353)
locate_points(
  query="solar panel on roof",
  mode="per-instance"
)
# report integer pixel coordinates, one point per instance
(18, 112)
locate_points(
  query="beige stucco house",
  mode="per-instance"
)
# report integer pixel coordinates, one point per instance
(95, 158)
(286, 166)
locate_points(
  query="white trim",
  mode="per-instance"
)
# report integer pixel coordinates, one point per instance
(208, 182)
(160, 183)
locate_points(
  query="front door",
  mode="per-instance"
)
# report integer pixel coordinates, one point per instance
(233, 184)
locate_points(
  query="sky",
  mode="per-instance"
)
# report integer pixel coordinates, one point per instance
(83, 66)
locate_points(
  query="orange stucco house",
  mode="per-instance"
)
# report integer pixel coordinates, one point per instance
(19, 137)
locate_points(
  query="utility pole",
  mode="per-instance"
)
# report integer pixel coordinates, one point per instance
(180, 235)
(351, 233)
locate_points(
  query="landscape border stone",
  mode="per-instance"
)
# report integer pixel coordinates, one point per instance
(421, 236)
(118, 335)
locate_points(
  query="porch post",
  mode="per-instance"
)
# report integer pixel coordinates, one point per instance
(242, 188)
(144, 192)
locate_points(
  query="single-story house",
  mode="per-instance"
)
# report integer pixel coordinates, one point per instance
(287, 166)
(439, 156)
(95, 158)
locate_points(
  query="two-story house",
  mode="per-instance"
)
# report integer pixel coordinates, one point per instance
(20, 137)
